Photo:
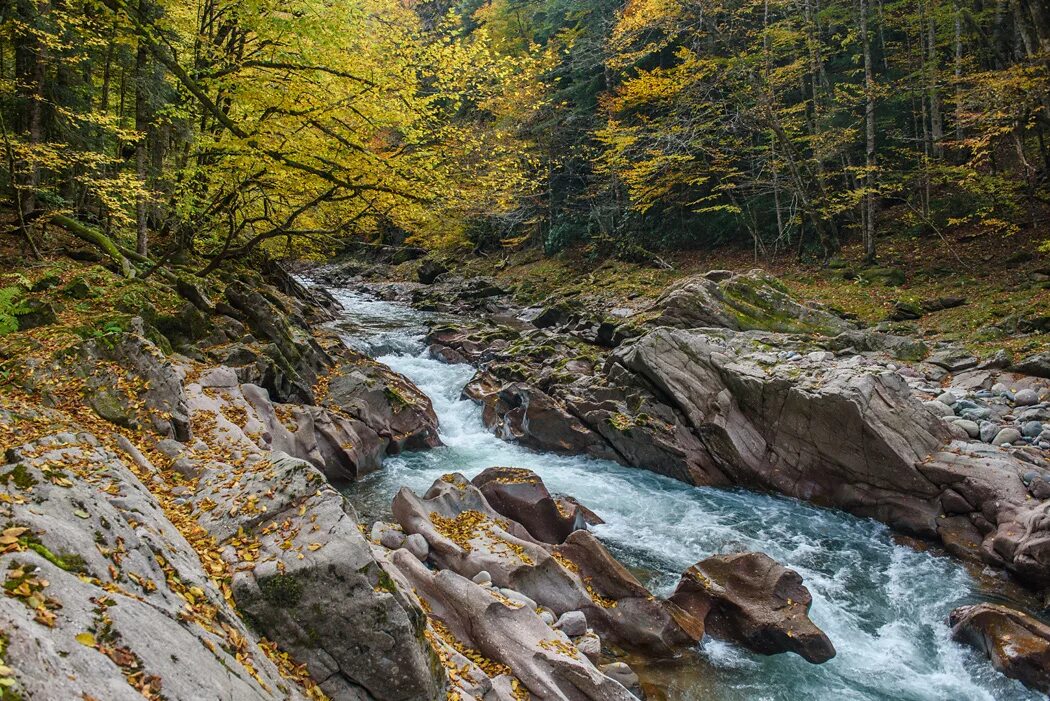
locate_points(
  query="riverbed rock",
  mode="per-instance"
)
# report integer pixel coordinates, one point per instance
(750, 599)
(1037, 364)
(467, 536)
(501, 638)
(1026, 397)
(1017, 644)
(520, 495)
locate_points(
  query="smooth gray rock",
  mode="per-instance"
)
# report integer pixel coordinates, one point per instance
(110, 528)
(572, 623)
(1026, 397)
(1007, 436)
(939, 408)
(970, 427)
(1031, 429)
(417, 545)
(989, 430)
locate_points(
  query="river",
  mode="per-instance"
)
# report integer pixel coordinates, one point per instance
(883, 604)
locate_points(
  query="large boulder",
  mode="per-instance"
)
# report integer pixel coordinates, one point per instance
(106, 598)
(467, 536)
(499, 643)
(520, 495)
(383, 400)
(752, 300)
(750, 599)
(303, 572)
(1017, 644)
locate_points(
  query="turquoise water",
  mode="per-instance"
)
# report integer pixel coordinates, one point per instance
(884, 605)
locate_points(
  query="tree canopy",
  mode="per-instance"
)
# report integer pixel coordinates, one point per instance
(213, 127)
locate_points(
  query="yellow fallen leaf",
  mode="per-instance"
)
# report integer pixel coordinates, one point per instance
(86, 638)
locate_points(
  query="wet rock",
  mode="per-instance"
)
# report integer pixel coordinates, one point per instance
(1017, 644)
(520, 495)
(625, 675)
(750, 599)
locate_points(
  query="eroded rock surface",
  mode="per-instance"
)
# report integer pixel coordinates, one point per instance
(1017, 644)
(750, 599)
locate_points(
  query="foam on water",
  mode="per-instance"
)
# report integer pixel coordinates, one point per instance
(882, 604)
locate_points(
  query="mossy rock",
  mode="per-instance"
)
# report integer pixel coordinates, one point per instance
(48, 282)
(887, 277)
(282, 590)
(77, 289)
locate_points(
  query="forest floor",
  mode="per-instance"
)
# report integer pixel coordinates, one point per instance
(1005, 281)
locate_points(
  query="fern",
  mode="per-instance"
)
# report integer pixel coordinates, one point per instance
(11, 305)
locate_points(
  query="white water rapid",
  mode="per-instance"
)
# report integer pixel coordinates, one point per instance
(883, 604)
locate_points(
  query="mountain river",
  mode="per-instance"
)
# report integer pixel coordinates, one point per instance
(883, 603)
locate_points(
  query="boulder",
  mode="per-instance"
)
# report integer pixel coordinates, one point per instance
(430, 270)
(520, 495)
(750, 599)
(477, 630)
(1037, 365)
(467, 536)
(1017, 644)
(752, 300)
(106, 598)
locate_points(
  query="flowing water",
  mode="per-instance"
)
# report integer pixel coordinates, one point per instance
(883, 604)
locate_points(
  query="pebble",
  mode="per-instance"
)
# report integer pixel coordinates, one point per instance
(1026, 397)
(547, 617)
(971, 427)
(1000, 389)
(572, 623)
(483, 577)
(1006, 436)
(939, 408)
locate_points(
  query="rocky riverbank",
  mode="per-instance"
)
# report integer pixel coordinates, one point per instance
(178, 475)
(169, 525)
(726, 380)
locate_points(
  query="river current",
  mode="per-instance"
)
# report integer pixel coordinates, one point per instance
(882, 603)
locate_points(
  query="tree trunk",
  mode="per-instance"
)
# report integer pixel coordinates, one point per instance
(142, 127)
(869, 139)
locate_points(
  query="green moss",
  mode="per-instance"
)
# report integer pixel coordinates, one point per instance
(19, 476)
(282, 590)
(70, 562)
(396, 397)
(386, 583)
